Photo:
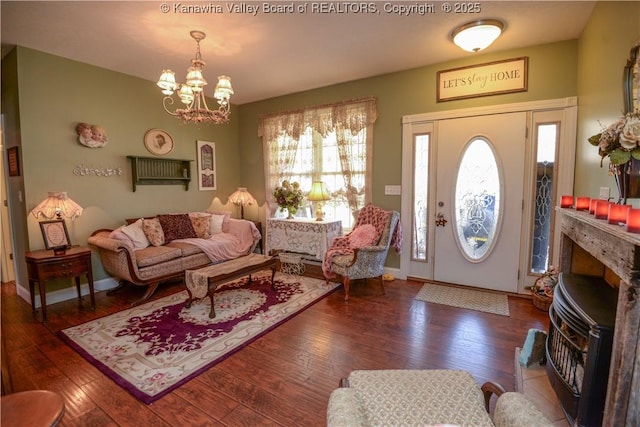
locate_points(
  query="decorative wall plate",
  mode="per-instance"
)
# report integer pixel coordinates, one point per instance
(158, 142)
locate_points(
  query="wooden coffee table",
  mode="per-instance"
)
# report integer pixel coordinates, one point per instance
(205, 281)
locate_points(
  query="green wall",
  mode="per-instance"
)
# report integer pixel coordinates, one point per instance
(602, 54)
(56, 94)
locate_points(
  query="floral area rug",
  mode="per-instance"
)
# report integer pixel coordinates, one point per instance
(156, 347)
(489, 302)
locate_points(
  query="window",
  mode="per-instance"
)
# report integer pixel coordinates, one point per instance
(329, 143)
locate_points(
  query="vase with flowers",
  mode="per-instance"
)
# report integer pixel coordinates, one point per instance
(620, 142)
(288, 197)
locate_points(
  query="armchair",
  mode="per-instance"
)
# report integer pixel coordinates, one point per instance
(363, 257)
(426, 397)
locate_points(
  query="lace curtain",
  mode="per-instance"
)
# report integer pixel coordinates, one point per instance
(280, 133)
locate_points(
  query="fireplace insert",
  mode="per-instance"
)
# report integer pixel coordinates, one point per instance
(578, 348)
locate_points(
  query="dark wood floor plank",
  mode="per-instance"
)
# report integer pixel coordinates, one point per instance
(283, 378)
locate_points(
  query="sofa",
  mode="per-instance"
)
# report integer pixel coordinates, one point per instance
(151, 250)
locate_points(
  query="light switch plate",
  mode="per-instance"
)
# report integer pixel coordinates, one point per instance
(392, 190)
(605, 192)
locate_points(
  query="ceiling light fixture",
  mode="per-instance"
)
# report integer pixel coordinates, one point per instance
(477, 35)
(191, 93)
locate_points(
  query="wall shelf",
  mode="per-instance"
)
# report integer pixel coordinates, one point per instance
(160, 171)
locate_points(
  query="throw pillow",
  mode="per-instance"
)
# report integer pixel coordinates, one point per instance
(363, 235)
(225, 222)
(201, 226)
(216, 224)
(176, 227)
(137, 235)
(153, 231)
(117, 234)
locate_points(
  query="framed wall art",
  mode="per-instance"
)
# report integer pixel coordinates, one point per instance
(206, 165)
(491, 78)
(158, 142)
(55, 234)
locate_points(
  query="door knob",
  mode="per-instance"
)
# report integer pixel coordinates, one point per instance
(440, 221)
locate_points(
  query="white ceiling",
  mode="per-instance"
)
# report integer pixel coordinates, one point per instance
(272, 54)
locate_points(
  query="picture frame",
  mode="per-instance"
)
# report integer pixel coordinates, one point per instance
(158, 142)
(491, 78)
(13, 160)
(55, 234)
(206, 153)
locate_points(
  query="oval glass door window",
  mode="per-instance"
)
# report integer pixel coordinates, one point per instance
(477, 200)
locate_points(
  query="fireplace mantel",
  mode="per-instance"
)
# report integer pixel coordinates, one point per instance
(619, 253)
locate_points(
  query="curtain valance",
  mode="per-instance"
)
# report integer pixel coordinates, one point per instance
(353, 115)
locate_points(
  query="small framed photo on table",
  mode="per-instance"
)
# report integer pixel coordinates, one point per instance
(55, 234)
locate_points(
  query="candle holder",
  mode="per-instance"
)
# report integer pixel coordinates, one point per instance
(602, 209)
(592, 205)
(633, 221)
(582, 203)
(618, 213)
(566, 201)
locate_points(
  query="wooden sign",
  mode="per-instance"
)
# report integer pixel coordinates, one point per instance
(492, 78)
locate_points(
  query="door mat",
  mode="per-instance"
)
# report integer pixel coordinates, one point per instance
(488, 302)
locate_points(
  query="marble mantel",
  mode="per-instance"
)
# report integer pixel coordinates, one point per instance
(614, 253)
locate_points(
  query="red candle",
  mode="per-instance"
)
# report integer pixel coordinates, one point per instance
(602, 209)
(618, 213)
(566, 201)
(582, 203)
(592, 205)
(633, 220)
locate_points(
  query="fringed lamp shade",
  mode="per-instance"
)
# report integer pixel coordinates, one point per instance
(241, 197)
(57, 205)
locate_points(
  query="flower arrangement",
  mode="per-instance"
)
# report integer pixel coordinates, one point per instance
(620, 141)
(289, 197)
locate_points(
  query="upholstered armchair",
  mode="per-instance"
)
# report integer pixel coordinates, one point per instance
(426, 398)
(361, 254)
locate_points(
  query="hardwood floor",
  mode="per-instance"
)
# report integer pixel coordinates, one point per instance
(285, 377)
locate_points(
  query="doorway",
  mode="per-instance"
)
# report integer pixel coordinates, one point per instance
(469, 201)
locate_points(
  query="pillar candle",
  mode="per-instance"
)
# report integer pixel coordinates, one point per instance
(602, 209)
(618, 213)
(633, 220)
(592, 205)
(566, 201)
(582, 203)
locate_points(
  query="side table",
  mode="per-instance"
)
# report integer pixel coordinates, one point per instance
(43, 265)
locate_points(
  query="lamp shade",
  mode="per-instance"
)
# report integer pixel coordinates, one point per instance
(241, 197)
(59, 205)
(477, 35)
(319, 192)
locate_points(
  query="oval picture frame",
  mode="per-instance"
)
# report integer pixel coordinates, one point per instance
(158, 142)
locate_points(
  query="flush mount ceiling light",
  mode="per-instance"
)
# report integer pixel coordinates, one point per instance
(477, 35)
(192, 92)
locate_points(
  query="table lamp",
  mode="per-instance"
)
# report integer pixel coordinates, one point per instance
(241, 197)
(319, 194)
(55, 208)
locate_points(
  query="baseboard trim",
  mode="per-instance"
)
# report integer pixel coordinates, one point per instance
(67, 293)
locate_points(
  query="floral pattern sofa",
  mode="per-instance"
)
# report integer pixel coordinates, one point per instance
(148, 251)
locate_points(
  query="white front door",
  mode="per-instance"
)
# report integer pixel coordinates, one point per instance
(479, 200)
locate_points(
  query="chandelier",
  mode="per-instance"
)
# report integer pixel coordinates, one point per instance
(191, 93)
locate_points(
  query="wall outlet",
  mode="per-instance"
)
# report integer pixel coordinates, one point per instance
(392, 190)
(605, 192)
